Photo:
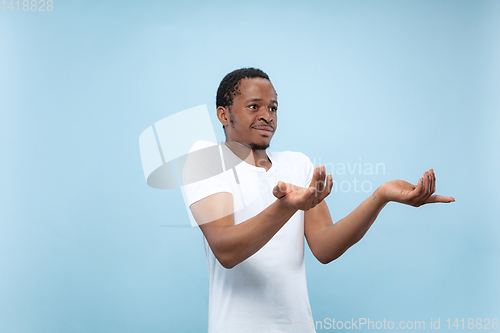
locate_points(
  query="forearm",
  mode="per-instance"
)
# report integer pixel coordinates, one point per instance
(236, 243)
(339, 237)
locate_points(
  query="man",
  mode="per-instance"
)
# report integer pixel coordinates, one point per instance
(254, 216)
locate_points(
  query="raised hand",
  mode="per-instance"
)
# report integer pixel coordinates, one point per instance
(305, 198)
(413, 195)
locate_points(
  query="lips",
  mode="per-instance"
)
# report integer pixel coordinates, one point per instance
(264, 130)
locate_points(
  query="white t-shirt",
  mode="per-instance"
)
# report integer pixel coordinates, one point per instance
(266, 292)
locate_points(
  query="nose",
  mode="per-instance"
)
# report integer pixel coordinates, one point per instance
(266, 115)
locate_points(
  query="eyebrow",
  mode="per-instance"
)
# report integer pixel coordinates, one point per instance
(259, 100)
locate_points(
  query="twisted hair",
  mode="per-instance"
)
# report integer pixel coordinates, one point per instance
(229, 86)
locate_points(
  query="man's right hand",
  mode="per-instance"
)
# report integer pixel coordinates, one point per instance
(305, 198)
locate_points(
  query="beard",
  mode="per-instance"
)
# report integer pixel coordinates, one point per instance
(253, 146)
(256, 146)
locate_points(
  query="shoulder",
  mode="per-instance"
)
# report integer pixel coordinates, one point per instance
(201, 144)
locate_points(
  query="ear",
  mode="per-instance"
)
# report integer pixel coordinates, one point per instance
(222, 115)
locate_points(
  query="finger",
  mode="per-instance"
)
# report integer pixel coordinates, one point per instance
(326, 191)
(427, 185)
(439, 198)
(315, 177)
(427, 188)
(428, 179)
(320, 183)
(322, 178)
(328, 187)
(433, 181)
(309, 197)
(279, 191)
(311, 192)
(418, 195)
(419, 188)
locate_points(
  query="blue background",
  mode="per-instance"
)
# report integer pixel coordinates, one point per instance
(86, 245)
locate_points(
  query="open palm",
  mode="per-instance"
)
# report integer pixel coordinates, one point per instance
(305, 198)
(414, 195)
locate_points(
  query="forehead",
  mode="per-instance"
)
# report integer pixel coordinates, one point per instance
(256, 87)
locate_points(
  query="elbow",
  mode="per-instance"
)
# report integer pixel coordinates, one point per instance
(227, 264)
(326, 261)
(226, 260)
(225, 255)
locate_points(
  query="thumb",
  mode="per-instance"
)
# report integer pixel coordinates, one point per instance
(417, 190)
(279, 190)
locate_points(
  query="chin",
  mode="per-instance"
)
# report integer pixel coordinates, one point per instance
(259, 146)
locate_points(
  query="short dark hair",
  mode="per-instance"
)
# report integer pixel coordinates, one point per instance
(228, 87)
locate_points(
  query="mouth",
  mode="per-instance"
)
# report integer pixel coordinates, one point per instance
(264, 130)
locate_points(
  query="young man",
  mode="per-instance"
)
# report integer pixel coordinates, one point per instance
(254, 215)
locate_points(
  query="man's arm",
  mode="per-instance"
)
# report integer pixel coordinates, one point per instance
(328, 241)
(230, 243)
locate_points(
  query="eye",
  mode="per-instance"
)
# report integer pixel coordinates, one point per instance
(273, 109)
(254, 106)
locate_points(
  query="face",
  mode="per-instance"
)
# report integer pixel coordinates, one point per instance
(252, 119)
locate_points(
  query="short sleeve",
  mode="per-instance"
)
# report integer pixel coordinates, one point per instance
(203, 174)
(196, 191)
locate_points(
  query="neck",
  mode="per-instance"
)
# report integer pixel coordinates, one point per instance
(261, 159)
(253, 157)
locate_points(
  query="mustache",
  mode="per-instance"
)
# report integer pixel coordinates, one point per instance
(263, 125)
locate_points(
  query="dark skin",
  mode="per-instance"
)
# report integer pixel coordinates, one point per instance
(251, 121)
(252, 118)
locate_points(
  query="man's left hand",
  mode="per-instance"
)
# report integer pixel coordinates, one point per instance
(413, 195)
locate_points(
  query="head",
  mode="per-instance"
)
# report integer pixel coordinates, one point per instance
(247, 107)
